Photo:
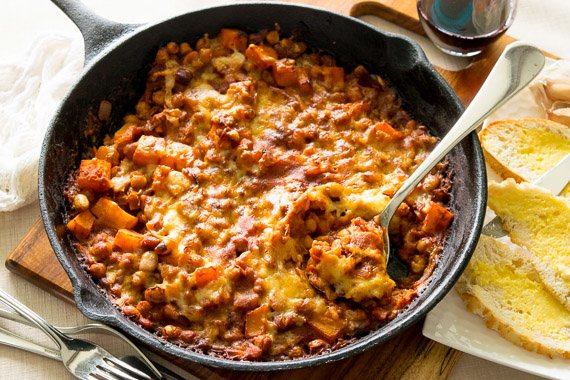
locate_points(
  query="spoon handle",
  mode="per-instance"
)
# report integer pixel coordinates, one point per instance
(516, 67)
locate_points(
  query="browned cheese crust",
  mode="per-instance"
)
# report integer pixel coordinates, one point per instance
(231, 212)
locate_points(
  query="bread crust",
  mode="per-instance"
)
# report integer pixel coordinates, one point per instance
(478, 302)
(508, 332)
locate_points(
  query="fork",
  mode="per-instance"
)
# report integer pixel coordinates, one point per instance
(82, 329)
(11, 339)
(82, 358)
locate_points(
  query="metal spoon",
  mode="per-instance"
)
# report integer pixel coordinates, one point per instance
(516, 67)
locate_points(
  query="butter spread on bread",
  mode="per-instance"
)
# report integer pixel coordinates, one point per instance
(539, 221)
(502, 285)
(525, 149)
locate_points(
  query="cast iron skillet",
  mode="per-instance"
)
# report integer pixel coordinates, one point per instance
(118, 57)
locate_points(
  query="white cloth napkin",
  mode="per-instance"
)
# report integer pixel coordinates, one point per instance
(31, 87)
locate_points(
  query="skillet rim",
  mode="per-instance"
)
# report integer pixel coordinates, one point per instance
(374, 338)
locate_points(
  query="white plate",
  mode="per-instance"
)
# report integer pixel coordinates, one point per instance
(451, 324)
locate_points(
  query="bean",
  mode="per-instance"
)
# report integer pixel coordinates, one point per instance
(98, 270)
(188, 336)
(162, 56)
(80, 202)
(145, 323)
(149, 261)
(272, 37)
(161, 249)
(425, 245)
(138, 279)
(150, 242)
(310, 225)
(185, 48)
(128, 151)
(144, 307)
(128, 260)
(171, 312)
(308, 242)
(183, 76)
(205, 55)
(131, 311)
(172, 48)
(155, 294)
(317, 345)
(190, 57)
(296, 352)
(101, 250)
(158, 97)
(203, 42)
(171, 331)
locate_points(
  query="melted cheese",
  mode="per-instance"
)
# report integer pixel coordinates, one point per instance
(243, 176)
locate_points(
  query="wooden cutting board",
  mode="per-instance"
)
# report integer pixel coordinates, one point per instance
(408, 356)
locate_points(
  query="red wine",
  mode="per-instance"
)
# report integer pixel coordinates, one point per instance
(465, 27)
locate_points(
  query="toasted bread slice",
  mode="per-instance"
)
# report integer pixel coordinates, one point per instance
(502, 285)
(539, 221)
(525, 149)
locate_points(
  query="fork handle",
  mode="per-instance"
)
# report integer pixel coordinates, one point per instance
(15, 317)
(55, 335)
(11, 339)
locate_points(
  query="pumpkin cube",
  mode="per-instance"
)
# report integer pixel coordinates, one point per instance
(112, 215)
(177, 155)
(333, 77)
(94, 174)
(437, 218)
(328, 328)
(233, 39)
(256, 321)
(108, 153)
(388, 131)
(81, 225)
(150, 150)
(125, 135)
(284, 72)
(261, 56)
(127, 240)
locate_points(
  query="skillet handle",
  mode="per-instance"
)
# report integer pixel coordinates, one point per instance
(98, 32)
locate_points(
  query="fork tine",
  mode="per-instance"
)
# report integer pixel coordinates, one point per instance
(115, 372)
(127, 367)
(99, 374)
